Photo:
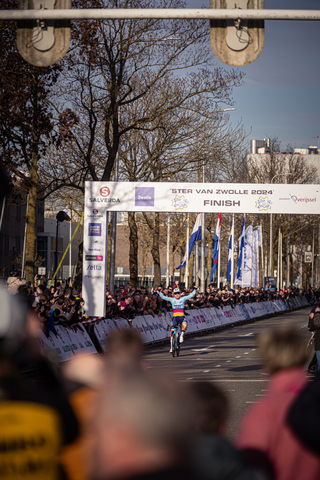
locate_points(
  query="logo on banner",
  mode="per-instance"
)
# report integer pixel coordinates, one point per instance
(179, 203)
(296, 200)
(94, 230)
(104, 191)
(144, 196)
(95, 213)
(263, 204)
(98, 258)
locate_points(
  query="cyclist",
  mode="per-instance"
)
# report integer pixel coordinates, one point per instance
(177, 303)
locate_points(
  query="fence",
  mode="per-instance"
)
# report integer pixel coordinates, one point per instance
(71, 341)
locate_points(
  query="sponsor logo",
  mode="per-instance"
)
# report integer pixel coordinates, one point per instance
(95, 213)
(98, 258)
(144, 196)
(297, 200)
(94, 267)
(263, 204)
(104, 200)
(179, 203)
(94, 230)
(104, 191)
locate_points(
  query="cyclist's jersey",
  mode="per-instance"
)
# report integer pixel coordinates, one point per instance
(177, 304)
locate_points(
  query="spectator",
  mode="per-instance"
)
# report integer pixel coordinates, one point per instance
(264, 435)
(215, 457)
(142, 429)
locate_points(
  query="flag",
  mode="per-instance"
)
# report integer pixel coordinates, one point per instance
(216, 248)
(255, 258)
(230, 253)
(248, 258)
(195, 236)
(241, 240)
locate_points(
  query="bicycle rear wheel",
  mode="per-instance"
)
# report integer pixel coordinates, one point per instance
(178, 345)
(173, 345)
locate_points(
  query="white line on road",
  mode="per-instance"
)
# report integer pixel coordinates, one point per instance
(218, 366)
(246, 335)
(203, 349)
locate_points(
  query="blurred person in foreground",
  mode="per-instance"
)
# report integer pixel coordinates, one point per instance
(142, 429)
(215, 457)
(36, 419)
(84, 375)
(304, 416)
(264, 436)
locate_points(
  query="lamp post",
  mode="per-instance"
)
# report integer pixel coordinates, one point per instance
(60, 217)
(202, 276)
(271, 241)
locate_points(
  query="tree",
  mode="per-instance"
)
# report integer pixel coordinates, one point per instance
(26, 123)
(135, 76)
(276, 166)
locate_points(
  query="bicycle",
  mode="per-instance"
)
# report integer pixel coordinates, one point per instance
(175, 341)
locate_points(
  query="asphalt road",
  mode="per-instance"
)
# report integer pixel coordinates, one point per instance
(228, 357)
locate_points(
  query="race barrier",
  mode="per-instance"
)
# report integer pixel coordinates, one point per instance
(71, 341)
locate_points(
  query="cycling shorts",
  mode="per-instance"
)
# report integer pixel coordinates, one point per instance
(178, 320)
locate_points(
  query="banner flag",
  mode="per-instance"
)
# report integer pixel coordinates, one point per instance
(247, 252)
(195, 236)
(255, 245)
(230, 253)
(241, 241)
(216, 247)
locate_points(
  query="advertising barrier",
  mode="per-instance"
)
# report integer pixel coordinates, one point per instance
(152, 329)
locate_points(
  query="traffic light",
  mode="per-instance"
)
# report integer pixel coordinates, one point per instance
(43, 42)
(237, 42)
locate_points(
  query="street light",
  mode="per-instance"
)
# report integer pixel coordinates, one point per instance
(271, 242)
(202, 279)
(60, 217)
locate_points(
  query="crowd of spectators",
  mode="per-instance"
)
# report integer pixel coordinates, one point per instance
(64, 305)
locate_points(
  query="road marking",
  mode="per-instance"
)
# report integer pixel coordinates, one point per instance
(228, 361)
(246, 353)
(246, 335)
(206, 371)
(203, 349)
(238, 356)
(251, 402)
(237, 381)
(218, 366)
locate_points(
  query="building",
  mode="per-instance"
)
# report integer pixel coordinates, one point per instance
(12, 233)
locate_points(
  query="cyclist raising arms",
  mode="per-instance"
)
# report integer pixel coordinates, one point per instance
(177, 303)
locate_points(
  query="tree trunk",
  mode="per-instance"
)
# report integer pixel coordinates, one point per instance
(133, 250)
(156, 251)
(78, 275)
(31, 237)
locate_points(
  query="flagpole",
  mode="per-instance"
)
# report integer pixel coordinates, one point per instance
(219, 260)
(258, 260)
(251, 256)
(242, 266)
(168, 251)
(187, 249)
(262, 254)
(232, 253)
(202, 253)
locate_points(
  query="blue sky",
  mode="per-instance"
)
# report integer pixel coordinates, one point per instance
(281, 92)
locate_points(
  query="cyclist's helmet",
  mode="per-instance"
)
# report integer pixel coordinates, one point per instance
(176, 290)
